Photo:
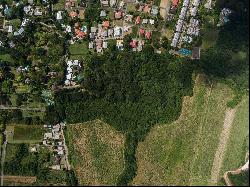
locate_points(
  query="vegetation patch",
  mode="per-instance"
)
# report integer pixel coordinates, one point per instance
(182, 153)
(241, 179)
(59, 5)
(238, 141)
(209, 38)
(96, 152)
(25, 133)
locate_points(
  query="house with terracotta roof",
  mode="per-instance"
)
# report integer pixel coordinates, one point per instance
(175, 2)
(133, 44)
(105, 24)
(146, 9)
(141, 31)
(118, 14)
(148, 34)
(137, 20)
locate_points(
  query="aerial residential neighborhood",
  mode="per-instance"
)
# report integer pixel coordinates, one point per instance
(124, 92)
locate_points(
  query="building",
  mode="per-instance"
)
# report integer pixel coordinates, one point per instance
(196, 53)
(155, 10)
(104, 3)
(103, 13)
(118, 14)
(59, 15)
(117, 32)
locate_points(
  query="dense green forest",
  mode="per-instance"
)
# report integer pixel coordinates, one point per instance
(134, 91)
(130, 91)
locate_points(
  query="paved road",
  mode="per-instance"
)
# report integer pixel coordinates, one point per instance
(2, 107)
(2, 160)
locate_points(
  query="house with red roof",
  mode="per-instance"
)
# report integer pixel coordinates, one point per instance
(133, 44)
(118, 14)
(146, 9)
(137, 20)
(141, 31)
(175, 2)
(80, 34)
(148, 34)
(105, 24)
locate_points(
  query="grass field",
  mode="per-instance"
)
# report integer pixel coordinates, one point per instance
(182, 153)
(238, 141)
(59, 5)
(209, 38)
(78, 48)
(12, 180)
(96, 152)
(25, 133)
(15, 23)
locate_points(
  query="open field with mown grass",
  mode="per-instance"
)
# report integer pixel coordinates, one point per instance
(182, 153)
(25, 133)
(78, 50)
(96, 152)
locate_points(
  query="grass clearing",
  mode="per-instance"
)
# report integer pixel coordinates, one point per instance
(15, 23)
(25, 133)
(209, 38)
(131, 7)
(59, 5)
(79, 49)
(182, 153)
(18, 180)
(96, 152)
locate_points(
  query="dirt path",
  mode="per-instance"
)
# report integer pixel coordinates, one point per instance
(164, 8)
(2, 160)
(218, 159)
(20, 179)
(2, 107)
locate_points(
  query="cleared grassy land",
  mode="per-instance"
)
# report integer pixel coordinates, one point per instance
(182, 153)
(96, 152)
(59, 5)
(25, 133)
(78, 48)
(12, 180)
(209, 38)
(238, 141)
